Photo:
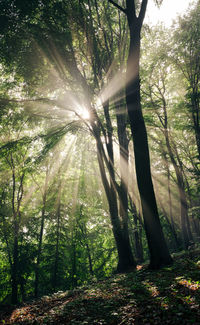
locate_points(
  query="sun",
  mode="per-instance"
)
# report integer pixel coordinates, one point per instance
(83, 112)
(85, 115)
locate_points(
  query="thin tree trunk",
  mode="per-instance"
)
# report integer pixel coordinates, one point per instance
(172, 229)
(125, 257)
(54, 282)
(89, 259)
(137, 233)
(181, 189)
(84, 233)
(74, 266)
(193, 221)
(170, 203)
(16, 203)
(15, 266)
(22, 283)
(124, 171)
(195, 115)
(138, 246)
(37, 268)
(5, 230)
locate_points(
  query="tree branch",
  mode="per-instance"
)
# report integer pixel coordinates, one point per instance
(142, 11)
(117, 6)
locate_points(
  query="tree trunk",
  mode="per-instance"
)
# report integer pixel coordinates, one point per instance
(137, 232)
(54, 280)
(89, 258)
(14, 276)
(176, 242)
(16, 203)
(159, 253)
(195, 115)
(83, 229)
(37, 268)
(22, 283)
(138, 243)
(120, 229)
(74, 266)
(124, 170)
(125, 257)
(194, 223)
(170, 205)
(182, 194)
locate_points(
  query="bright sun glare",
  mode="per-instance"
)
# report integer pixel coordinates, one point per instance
(84, 113)
(167, 12)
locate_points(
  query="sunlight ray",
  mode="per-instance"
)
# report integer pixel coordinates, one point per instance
(66, 101)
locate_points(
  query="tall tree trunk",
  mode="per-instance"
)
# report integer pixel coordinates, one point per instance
(16, 203)
(54, 280)
(172, 229)
(37, 268)
(138, 243)
(15, 266)
(182, 194)
(194, 98)
(83, 229)
(89, 258)
(194, 223)
(137, 232)
(22, 283)
(124, 170)
(159, 253)
(120, 229)
(74, 261)
(170, 203)
(177, 164)
(125, 257)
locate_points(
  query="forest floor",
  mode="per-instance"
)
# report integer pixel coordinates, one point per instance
(168, 296)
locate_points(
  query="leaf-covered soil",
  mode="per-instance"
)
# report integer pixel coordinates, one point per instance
(167, 296)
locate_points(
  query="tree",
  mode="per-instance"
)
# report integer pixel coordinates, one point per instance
(159, 254)
(165, 100)
(16, 160)
(43, 191)
(61, 42)
(185, 54)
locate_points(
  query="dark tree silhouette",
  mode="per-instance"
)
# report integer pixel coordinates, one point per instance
(159, 254)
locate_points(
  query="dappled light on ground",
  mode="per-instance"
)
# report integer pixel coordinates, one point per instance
(167, 296)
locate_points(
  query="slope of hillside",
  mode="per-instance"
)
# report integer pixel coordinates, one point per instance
(167, 296)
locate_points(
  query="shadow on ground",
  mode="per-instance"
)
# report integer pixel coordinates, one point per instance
(167, 296)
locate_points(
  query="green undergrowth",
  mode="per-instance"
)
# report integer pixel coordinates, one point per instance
(168, 296)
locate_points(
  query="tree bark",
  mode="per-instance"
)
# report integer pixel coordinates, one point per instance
(125, 257)
(137, 232)
(159, 253)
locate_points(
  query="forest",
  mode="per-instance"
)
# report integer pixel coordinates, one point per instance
(99, 144)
